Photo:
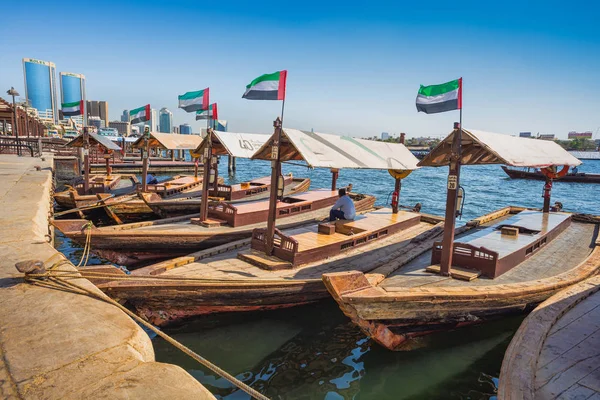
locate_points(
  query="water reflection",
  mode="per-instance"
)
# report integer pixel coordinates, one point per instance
(314, 352)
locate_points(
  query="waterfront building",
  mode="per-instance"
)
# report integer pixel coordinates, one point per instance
(72, 89)
(124, 128)
(546, 136)
(580, 135)
(385, 135)
(525, 134)
(40, 88)
(125, 116)
(96, 122)
(175, 129)
(98, 109)
(185, 129)
(165, 118)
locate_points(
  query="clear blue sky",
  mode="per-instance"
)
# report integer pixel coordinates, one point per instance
(353, 68)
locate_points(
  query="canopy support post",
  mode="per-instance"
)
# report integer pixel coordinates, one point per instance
(334, 176)
(206, 162)
(275, 171)
(396, 201)
(86, 161)
(216, 182)
(451, 200)
(145, 156)
(546, 195)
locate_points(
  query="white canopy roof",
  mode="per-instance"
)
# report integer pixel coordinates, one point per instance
(94, 138)
(333, 151)
(170, 141)
(242, 145)
(479, 147)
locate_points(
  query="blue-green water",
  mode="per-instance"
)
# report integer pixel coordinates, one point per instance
(314, 352)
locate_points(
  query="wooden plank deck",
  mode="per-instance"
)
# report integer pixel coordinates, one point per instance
(365, 258)
(565, 252)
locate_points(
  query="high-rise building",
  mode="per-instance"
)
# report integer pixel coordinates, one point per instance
(40, 88)
(175, 129)
(165, 118)
(385, 135)
(98, 109)
(124, 128)
(125, 116)
(152, 122)
(185, 129)
(72, 89)
(96, 121)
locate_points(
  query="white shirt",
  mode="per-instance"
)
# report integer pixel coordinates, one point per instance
(346, 205)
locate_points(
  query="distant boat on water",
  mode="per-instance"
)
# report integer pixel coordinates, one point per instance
(537, 175)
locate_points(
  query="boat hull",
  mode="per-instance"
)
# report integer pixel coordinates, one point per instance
(579, 177)
(393, 318)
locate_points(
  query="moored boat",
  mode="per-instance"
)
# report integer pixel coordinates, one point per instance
(144, 242)
(581, 177)
(513, 259)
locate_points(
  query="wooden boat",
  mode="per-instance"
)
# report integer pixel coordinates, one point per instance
(134, 207)
(179, 205)
(237, 276)
(116, 184)
(511, 261)
(137, 243)
(554, 354)
(581, 177)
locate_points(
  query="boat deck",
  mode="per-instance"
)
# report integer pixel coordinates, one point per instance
(365, 258)
(299, 199)
(566, 251)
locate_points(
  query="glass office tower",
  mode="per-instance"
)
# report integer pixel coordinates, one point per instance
(40, 88)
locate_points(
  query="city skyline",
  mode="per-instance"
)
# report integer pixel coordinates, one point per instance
(525, 67)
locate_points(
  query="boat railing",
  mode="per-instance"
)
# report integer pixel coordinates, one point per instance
(284, 247)
(469, 256)
(222, 210)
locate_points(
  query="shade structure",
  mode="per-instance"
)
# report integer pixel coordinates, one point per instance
(325, 150)
(480, 147)
(94, 138)
(170, 141)
(240, 145)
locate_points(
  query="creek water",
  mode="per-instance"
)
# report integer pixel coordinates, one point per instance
(314, 352)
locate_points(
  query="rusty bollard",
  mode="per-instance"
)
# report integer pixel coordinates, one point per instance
(28, 267)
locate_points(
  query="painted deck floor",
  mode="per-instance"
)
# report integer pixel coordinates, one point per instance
(569, 365)
(565, 252)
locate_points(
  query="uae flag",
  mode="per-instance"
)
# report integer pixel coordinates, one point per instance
(267, 87)
(71, 109)
(211, 113)
(141, 114)
(439, 98)
(194, 101)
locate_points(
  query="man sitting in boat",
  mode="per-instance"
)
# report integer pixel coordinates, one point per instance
(151, 180)
(343, 207)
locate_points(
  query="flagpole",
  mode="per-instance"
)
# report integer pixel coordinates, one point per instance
(452, 196)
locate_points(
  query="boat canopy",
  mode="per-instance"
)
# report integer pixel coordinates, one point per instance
(241, 145)
(333, 151)
(94, 138)
(170, 141)
(479, 147)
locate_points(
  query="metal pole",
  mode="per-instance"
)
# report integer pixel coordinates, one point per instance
(145, 156)
(451, 199)
(207, 157)
(15, 129)
(86, 161)
(397, 187)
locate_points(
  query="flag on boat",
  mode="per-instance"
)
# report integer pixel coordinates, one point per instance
(211, 113)
(74, 108)
(439, 98)
(267, 87)
(194, 101)
(141, 114)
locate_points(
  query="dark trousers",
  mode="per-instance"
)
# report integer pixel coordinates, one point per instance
(336, 214)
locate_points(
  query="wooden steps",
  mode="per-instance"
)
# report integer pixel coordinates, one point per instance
(263, 261)
(463, 274)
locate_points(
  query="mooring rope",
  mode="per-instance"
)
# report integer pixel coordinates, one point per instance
(87, 247)
(50, 280)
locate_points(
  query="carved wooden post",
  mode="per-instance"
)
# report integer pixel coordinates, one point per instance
(206, 163)
(86, 161)
(334, 176)
(275, 171)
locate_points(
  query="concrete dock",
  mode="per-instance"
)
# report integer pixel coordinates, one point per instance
(56, 344)
(555, 354)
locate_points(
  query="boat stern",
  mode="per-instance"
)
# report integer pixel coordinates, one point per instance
(72, 227)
